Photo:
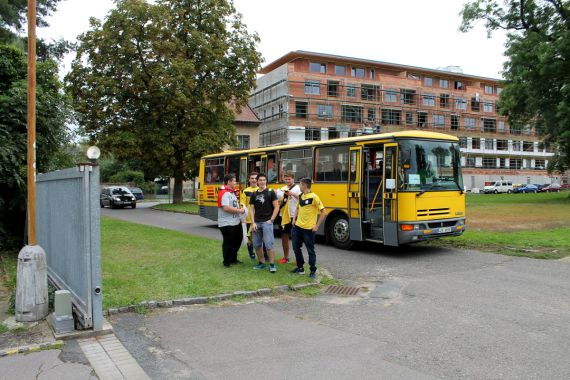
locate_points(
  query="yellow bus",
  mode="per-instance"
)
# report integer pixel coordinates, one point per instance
(393, 188)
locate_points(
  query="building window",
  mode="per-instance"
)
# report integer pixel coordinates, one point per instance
(371, 116)
(455, 122)
(475, 104)
(489, 144)
(243, 141)
(357, 72)
(463, 142)
(312, 134)
(351, 90)
(409, 118)
(340, 70)
(490, 125)
(501, 127)
(301, 109)
(428, 82)
(502, 145)
(372, 74)
(312, 87)
(499, 90)
(316, 67)
(443, 83)
(422, 119)
(332, 88)
(428, 100)
(438, 120)
(487, 107)
(391, 96)
(444, 100)
(488, 89)
(469, 123)
(458, 85)
(352, 114)
(368, 92)
(476, 144)
(470, 162)
(515, 163)
(461, 104)
(324, 111)
(333, 133)
(489, 162)
(517, 146)
(408, 96)
(539, 164)
(502, 163)
(391, 117)
(528, 146)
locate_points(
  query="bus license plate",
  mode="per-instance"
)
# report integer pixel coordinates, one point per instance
(444, 230)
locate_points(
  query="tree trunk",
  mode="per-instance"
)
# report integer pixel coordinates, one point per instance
(177, 192)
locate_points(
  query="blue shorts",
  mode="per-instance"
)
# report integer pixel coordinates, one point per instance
(263, 235)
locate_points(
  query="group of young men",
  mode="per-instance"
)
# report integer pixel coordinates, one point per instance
(302, 212)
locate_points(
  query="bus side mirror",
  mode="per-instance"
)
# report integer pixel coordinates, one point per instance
(390, 183)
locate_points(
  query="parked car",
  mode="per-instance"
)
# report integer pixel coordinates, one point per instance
(553, 187)
(137, 192)
(527, 189)
(539, 186)
(117, 196)
(499, 187)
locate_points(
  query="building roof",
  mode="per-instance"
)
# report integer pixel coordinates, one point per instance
(247, 115)
(339, 58)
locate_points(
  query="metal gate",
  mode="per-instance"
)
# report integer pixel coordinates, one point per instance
(68, 229)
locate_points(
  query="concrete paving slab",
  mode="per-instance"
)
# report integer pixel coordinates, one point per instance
(45, 365)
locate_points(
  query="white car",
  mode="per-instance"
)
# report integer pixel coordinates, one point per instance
(499, 187)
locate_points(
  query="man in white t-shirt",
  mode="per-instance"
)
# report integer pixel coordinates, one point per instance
(288, 206)
(229, 221)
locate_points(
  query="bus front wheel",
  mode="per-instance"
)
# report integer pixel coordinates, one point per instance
(339, 232)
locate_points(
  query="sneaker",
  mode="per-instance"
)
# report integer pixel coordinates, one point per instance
(313, 275)
(272, 268)
(298, 271)
(284, 260)
(259, 266)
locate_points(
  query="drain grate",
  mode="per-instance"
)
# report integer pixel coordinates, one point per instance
(342, 290)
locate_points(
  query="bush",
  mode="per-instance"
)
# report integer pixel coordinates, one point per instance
(128, 176)
(148, 188)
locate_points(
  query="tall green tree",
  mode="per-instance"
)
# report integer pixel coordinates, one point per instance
(13, 15)
(537, 70)
(154, 81)
(53, 136)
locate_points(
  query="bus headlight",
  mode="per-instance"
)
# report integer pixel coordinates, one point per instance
(409, 227)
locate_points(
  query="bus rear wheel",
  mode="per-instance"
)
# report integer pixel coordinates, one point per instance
(339, 232)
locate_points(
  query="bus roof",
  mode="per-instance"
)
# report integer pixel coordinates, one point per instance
(372, 137)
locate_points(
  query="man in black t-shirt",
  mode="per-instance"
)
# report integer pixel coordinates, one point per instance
(264, 208)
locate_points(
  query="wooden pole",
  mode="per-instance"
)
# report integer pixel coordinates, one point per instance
(31, 122)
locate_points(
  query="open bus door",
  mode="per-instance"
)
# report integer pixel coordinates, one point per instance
(355, 193)
(390, 196)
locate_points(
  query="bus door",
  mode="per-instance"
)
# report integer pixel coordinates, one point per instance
(373, 194)
(355, 193)
(390, 196)
(258, 163)
(243, 172)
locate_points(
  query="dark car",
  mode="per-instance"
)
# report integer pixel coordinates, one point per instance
(117, 196)
(539, 186)
(553, 187)
(527, 189)
(138, 193)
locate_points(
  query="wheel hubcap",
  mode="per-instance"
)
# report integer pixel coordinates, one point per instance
(341, 230)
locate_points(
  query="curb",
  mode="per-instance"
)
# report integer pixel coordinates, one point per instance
(205, 300)
(57, 344)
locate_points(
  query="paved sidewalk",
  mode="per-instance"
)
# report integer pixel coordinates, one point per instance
(110, 359)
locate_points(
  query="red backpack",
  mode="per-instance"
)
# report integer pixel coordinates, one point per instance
(221, 193)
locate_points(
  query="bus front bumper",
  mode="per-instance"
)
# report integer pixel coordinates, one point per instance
(412, 232)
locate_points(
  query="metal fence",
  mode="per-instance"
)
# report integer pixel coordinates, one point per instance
(68, 229)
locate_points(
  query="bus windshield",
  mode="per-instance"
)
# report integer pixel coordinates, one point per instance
(430, 166)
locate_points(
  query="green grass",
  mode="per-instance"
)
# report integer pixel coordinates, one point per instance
(185, 207)
(143, 263)
(3, 328)
(530, 225)
(8, 268)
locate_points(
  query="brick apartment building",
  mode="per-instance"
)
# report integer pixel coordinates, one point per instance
(312, 96)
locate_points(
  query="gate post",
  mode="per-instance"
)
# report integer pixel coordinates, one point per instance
(95, 247)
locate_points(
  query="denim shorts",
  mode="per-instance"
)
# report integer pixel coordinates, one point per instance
(263, 235)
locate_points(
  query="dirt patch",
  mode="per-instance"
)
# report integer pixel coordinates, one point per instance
(517, 217)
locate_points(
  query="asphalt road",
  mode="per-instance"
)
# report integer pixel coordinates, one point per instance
(427, 313)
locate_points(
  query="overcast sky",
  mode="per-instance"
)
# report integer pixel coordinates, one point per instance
(411, 32)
